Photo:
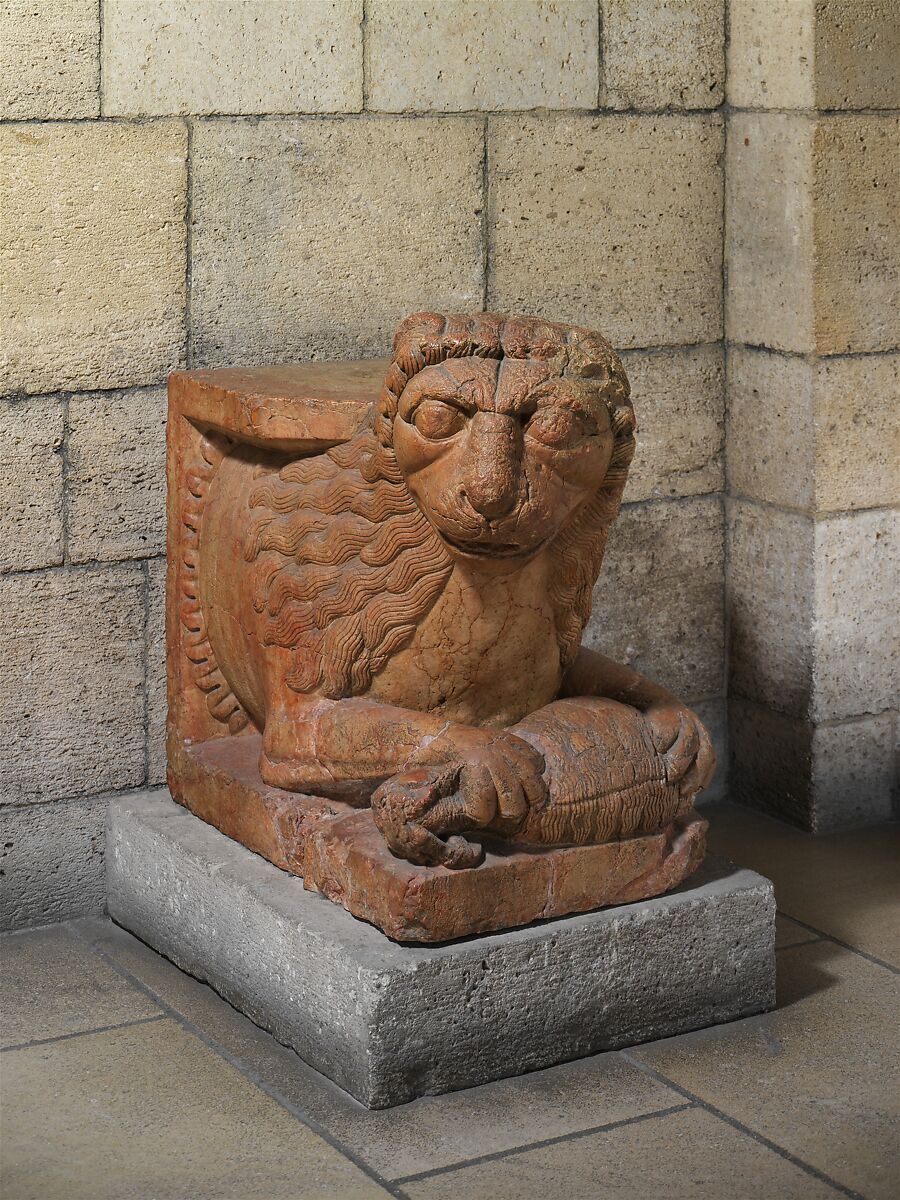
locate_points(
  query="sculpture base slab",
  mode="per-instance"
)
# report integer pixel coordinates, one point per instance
(339, 851)
(390, 1022)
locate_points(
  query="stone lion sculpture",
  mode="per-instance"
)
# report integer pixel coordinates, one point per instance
(411, 639)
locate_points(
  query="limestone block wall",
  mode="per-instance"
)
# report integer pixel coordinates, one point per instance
(191, 183)
(812, 322)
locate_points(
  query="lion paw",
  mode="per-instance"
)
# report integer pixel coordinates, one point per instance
(415, 811)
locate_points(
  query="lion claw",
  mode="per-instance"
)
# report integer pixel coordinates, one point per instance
(416, 810)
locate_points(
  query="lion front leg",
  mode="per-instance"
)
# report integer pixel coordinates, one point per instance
(491, 783)
(607, 772)
(433, 779)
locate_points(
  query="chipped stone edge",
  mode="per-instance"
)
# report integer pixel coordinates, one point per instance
(390, 1022)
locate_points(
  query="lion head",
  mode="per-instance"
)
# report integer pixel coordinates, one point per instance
(494, 438)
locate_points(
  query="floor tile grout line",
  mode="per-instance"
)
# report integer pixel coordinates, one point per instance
(243, 1069)
(67, 1037)
(796, 945)
(879, 962)
(478, 1160)
(745, 1129)
(392, 1186)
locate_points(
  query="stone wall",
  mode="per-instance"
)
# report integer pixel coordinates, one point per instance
(812, 322)
(191, 184)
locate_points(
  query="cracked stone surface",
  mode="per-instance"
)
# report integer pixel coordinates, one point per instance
(380, 577)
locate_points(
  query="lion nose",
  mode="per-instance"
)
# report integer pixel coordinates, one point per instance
(494, 464)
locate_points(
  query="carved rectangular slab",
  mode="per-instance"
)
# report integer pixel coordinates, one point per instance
(302, 407)
(339, 852)
(390, 1022)
(290, 409)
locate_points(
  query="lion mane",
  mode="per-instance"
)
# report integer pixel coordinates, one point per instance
(349, 566)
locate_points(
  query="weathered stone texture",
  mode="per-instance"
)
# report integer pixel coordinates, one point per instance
(853, 771)
(857, 564)
(769, 231)
(813, 241)
(662, 54)
(680, 405)
(770, 764)
(390, 1023)
(456, 57)
(770, 586)
(771, 53)
(857, 53)
(658, 605)
(813, 267)
(771, 427)
(116, 486)
(313, 238)
(93, 254)
(818, 777)
(156, 672)
(825, 54)
(259, 56)
(857, 233)
(71, 692)
(49, 59)
(51, 862)
(799, 431)
(813, 615)
(31, 483)
(610, 222)
(857, 432)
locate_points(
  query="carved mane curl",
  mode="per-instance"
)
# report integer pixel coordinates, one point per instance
(350, 566)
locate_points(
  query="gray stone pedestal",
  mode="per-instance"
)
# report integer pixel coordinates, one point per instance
(390, 1022)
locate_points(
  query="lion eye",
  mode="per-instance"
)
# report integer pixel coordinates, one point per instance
(436, 421)
(558, 428)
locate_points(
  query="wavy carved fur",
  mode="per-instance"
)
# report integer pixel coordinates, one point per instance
(348, 565)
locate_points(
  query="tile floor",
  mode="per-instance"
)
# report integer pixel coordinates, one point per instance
(123, 1078)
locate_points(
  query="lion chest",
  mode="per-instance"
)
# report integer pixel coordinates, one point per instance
(486, 653)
